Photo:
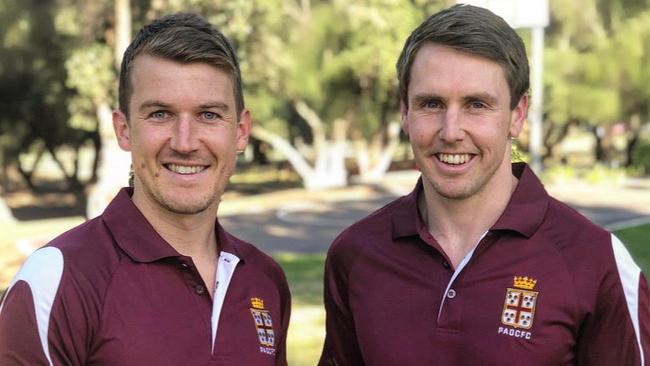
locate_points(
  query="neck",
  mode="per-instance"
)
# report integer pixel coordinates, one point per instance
(190, 235)
(457, 224)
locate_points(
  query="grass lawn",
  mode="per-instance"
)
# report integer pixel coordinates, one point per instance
(637, 241)
(307, 329)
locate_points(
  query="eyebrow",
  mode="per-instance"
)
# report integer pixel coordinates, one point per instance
(158, 104)
(425, 97)
(217, 105)
(152, 104)
(483, 96)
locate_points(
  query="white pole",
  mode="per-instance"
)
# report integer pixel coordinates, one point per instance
(537, 98)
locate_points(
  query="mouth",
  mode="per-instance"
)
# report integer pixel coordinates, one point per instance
(454, 159)
(185, 169)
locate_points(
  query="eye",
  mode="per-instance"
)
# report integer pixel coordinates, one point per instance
(477, 105)
(209, 116)
(432, 104)
(159, 115)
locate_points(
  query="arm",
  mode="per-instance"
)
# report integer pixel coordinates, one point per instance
(341, 346)
(36, 322)
(619, 331)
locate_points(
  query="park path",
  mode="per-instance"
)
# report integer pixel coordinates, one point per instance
(307, 222)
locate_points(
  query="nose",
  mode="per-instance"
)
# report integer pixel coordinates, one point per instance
(184, 137)
(452, 129)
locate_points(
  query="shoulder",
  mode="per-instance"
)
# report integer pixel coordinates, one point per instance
(567, 229)
(592, 254)
(88, 248)
(372, 231)
(77, 264)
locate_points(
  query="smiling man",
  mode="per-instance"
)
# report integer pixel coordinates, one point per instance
(155, 280)
(478, 265)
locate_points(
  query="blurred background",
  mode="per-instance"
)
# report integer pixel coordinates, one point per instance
(327, 148)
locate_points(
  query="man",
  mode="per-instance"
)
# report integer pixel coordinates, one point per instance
(478, 265)
(155, 280)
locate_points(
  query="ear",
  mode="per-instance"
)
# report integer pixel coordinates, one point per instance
(243, 129)
(518, 116)
(404, 111)
(122, 130)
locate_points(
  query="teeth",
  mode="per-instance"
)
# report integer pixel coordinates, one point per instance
(454, 159)
(184, 169)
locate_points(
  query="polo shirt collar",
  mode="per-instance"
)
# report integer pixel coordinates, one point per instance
(139, 240)
(528, 204)
(524, 213)
(405, 215)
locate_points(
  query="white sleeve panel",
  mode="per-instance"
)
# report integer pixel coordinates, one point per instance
(42, 272)
(629, 274)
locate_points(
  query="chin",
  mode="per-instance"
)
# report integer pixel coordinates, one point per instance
(187, 204)
(454, 192)
(185, 208)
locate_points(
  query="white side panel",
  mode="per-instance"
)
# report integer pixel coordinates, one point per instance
(629, 274)
(42, 272)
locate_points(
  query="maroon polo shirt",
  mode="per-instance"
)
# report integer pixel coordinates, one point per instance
(544, 286)
(113, 292)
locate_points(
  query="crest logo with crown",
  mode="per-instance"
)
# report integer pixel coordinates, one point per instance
(520, 303)
(263, 326)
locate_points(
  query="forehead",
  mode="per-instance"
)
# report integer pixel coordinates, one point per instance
(153, 76)
(444, 69)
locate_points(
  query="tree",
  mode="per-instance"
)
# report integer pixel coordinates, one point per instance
(320, 79)
(596, 72)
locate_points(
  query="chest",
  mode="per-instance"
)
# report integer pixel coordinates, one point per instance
(498, 308)
(163, 316)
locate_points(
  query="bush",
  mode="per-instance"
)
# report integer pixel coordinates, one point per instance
(641, 157)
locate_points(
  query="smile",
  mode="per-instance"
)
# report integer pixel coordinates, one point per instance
(454, 159)
(185, 169)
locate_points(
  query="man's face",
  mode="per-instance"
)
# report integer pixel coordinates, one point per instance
(459, 121)
(183, 133)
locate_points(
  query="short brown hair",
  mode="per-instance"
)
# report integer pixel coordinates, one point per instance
(476, 31)
(185, 38)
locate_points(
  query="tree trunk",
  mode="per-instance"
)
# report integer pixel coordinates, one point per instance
(372, 170)
(633, 133)
(5, 212)
(113, 164)
(328, 170)
(599, 150)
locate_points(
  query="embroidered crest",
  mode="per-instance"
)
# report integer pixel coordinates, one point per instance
(520, 302)
(264, 326)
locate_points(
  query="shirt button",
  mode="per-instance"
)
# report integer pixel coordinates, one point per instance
(451, 293)
(445, 264)
(185, 266)
(199, 289)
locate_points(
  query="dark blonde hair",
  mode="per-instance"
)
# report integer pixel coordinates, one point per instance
(475, 31)
(185, 38)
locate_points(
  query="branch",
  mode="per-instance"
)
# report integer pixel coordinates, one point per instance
(285, 148)
(314, 123)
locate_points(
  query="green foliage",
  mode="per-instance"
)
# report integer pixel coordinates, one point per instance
(559, 174)
(596, 174)
(641, 157)
(636, 241)
(600, 174)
